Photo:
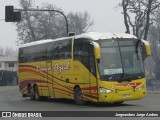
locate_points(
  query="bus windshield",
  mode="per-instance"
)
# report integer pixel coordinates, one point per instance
(119, 60)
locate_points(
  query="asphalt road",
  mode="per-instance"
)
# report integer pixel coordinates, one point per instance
(11, 100)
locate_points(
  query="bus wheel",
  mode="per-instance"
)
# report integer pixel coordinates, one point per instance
(31, 94)
(78, 98)
(36, 92)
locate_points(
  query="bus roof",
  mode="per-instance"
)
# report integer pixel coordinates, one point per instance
(97, 36)
(90, 35)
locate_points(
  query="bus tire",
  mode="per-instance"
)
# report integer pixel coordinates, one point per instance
(36, 93)
(78, 98)
(31, 94)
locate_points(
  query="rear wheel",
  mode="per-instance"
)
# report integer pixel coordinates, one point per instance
(78, 98)
(31, 94)
(36, 92)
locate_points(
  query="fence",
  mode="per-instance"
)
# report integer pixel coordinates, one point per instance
(8, 78)
(153, 85)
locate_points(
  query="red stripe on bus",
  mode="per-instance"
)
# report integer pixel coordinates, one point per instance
(91, 96)
(90, 88)
(46, 73)
(63, 90)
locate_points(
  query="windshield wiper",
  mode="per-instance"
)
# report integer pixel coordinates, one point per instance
(113, 76)
(124, 78)
(138, 42)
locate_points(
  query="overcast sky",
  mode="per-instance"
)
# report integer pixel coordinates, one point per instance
(107, 18)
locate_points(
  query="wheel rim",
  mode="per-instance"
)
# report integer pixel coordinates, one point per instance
(79, 96)
(36, 94)
(31, 93)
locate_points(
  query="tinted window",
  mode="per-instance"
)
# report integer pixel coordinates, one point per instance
(109, 43)
(33, 53)
(10, 64)
(81, 51)
(53, 51)
(84, 52)
(65, 48)
(59, 49)
(39, 52)
(92, 67)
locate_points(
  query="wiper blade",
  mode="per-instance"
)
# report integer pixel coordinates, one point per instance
(113, 76)
(124, 78)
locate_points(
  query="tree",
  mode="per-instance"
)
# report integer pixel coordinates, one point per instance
(79, 22)
(138, 15)
(48, 25)
(8, 51)
(26, 29)
(1, 51)
(139, 19)
(154, 35)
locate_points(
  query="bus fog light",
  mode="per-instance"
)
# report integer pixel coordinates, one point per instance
(104, 90)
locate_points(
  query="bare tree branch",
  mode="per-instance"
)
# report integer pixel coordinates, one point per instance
(49, 25)
(124, 5)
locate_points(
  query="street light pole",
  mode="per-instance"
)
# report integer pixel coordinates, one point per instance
(49, 10)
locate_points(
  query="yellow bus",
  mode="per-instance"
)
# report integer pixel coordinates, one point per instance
(96, 67)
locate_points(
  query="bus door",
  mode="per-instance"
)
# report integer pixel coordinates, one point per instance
(92, 74)
(84, 53)
(50, 79)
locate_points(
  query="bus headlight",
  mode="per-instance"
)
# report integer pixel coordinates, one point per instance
(105, 90)
(143, 87)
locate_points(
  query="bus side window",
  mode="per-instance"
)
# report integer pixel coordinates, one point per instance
(81, 48)
(39, 52)
(65, 48)
(28, 53)
(24, 55)
(52, 51)
(84, 52)
(21, 55)
(92, 60)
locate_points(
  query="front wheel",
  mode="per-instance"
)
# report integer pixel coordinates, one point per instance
(78, 98)
(36, 92)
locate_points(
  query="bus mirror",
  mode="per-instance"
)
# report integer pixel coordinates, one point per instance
(147, 47)
(97, 50)
(144, 48)
(70, 34)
